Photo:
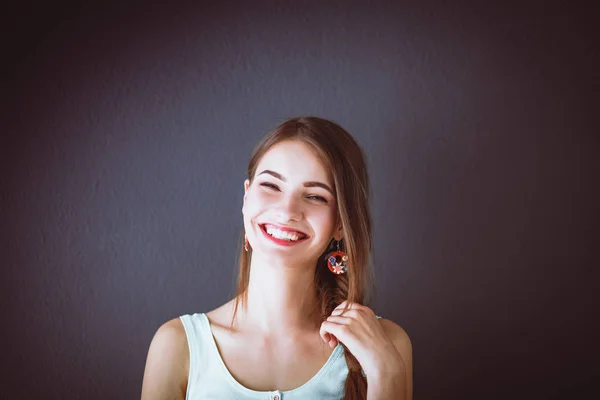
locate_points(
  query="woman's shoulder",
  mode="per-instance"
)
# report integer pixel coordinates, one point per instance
(222, 315)
(170, 340)
(398, 336)
(172, 330)
(167, 364)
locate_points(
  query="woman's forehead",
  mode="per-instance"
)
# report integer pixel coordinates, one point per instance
(295, 160)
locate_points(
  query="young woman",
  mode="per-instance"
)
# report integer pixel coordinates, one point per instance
(298, 328)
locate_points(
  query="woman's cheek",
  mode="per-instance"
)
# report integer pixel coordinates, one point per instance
(257, 202)
(265, 198)
(326, 217)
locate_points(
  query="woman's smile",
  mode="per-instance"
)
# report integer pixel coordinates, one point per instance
(282, 236)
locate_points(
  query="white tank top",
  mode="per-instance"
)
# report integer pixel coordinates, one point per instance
(209, 378)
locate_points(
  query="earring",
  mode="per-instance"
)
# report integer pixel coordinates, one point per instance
(246, 242)
(337, 260)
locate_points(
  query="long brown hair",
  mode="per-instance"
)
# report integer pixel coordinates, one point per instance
(346, 161)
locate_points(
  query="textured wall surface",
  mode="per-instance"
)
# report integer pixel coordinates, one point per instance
(130, 128)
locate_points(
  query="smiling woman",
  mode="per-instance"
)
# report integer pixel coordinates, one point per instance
(303, 279)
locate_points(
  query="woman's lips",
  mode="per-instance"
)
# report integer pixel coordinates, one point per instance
(283, 242)
(301, 234)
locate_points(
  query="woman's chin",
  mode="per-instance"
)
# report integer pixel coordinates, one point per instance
(283, 256)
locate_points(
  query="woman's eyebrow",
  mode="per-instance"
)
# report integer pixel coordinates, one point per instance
(306, 184)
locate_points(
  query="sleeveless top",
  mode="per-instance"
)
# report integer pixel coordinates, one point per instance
(210, 379)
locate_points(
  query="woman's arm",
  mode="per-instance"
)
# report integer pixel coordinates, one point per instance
(388, 385)
(382, 348)
(167, 365)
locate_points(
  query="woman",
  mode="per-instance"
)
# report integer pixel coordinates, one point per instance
(303, 278)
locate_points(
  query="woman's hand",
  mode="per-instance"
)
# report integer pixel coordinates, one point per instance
(361, 332)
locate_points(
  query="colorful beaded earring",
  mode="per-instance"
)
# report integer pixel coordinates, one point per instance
(337, 260)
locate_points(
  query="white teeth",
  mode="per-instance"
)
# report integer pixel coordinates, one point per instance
(279, 234)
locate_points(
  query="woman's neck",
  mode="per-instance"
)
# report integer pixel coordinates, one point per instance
(281, 298)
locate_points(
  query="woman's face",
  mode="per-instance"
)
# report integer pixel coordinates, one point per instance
(289, 209)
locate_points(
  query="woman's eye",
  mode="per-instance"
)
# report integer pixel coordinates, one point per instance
(272, 186)
(269, 185)
(318, 198)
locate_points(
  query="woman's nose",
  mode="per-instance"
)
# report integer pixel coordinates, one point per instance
(290, 208)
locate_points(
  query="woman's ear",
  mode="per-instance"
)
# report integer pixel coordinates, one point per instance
(246, 186)
(338, 233)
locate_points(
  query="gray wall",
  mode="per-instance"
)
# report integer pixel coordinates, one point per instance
(130, 128)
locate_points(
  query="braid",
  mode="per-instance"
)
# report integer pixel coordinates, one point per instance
(333, 290)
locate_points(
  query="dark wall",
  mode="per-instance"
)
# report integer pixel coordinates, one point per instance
(129, 128)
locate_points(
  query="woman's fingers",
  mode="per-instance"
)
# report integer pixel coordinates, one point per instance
(328, 338)
(335, 329)
(339, 319)
(336, 324)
